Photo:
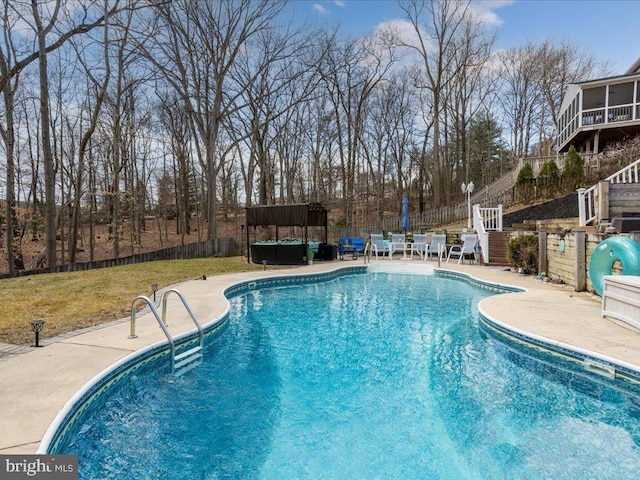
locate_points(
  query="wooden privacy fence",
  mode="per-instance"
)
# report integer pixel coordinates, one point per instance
(222, 247)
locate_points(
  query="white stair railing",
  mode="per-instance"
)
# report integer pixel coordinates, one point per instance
(485, 220)
(586, 196)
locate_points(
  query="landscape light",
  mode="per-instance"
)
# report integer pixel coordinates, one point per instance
(36, 326)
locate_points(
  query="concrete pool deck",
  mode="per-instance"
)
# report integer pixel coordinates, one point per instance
(38, 382)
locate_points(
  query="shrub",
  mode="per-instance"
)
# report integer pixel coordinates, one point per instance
(522, 252)
(524, 183)
(573, 173)
(549, 178)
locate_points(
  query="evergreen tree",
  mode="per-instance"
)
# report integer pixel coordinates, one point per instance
(573, 173)
(524, 184)
(487, 151)
(549, 179)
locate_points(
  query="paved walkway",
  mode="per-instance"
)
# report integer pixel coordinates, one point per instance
(37, 382)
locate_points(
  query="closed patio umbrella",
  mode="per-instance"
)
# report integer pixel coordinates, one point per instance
(404, 223)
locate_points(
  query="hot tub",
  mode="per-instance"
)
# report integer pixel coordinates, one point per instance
(280, 253)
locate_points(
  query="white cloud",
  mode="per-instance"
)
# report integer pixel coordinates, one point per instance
(319, 9)
(403, 30)
(485, 11)
(339, 3)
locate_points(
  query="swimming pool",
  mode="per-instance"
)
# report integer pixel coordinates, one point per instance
(364, 376)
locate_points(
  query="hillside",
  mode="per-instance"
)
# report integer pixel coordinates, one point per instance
(565, 207)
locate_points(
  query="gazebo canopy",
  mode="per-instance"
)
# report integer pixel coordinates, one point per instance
(300, 215)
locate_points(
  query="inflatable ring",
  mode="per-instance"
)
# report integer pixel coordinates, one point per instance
(605, 255)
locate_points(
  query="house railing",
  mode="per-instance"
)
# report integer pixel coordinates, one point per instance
(587, 196)
(500, 190)
(485, 220)
(619, 113)
(590, 162)
(491, 218)
(596, 117)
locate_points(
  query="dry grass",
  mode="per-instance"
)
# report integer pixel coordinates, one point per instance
(70, 301)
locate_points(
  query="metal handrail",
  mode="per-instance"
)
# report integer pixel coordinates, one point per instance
(163, 300)
(132, 334)
(162, 321)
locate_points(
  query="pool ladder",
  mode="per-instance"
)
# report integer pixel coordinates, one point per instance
(184, 361)
(366, 255)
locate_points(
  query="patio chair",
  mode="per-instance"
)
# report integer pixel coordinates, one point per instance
(468, 247)
(377, 244)
(398, 243)
(352, 245)
(437, 246)
(419, 245)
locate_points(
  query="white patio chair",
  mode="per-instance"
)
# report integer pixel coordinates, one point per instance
(419, 245)
(377, 244)
(398, 243)
(468, 247)
(437, 246)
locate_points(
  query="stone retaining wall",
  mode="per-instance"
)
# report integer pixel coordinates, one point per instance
(567, 257)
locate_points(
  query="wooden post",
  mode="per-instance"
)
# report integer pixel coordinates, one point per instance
(603, 200)
(542, 252)
(581, 261)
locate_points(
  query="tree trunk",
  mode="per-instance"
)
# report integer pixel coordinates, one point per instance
(47, 154)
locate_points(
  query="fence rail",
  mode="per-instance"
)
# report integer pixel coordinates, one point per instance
(224, 247)
(500, 192)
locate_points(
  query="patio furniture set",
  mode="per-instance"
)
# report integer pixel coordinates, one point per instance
(424, 245)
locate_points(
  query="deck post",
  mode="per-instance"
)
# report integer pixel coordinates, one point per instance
(603, 200)
(542, 252)
(581, 260)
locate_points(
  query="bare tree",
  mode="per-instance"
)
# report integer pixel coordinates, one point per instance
(437, 26)
(7, 132)
(176, 123)
(466, 94)
(352, 71)
(562, 63)
(197, 44)
(42, 30)
(58, 21)
(97, 87)
(521, 95)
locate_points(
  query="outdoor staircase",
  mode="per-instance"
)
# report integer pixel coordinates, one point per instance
(587, 203)
(498, 249)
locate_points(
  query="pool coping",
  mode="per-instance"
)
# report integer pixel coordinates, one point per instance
(495, 315)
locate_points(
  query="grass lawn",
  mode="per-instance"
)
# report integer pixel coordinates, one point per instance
(70, 301)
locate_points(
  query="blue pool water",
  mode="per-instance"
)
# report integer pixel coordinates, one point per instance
(363, 377)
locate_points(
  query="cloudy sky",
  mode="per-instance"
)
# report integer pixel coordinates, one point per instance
(607, 28)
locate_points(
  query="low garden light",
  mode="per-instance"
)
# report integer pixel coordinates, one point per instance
(264, 264)
(37, 326)
(154, 289)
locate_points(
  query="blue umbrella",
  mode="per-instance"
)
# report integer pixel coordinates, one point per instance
(404, 223)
